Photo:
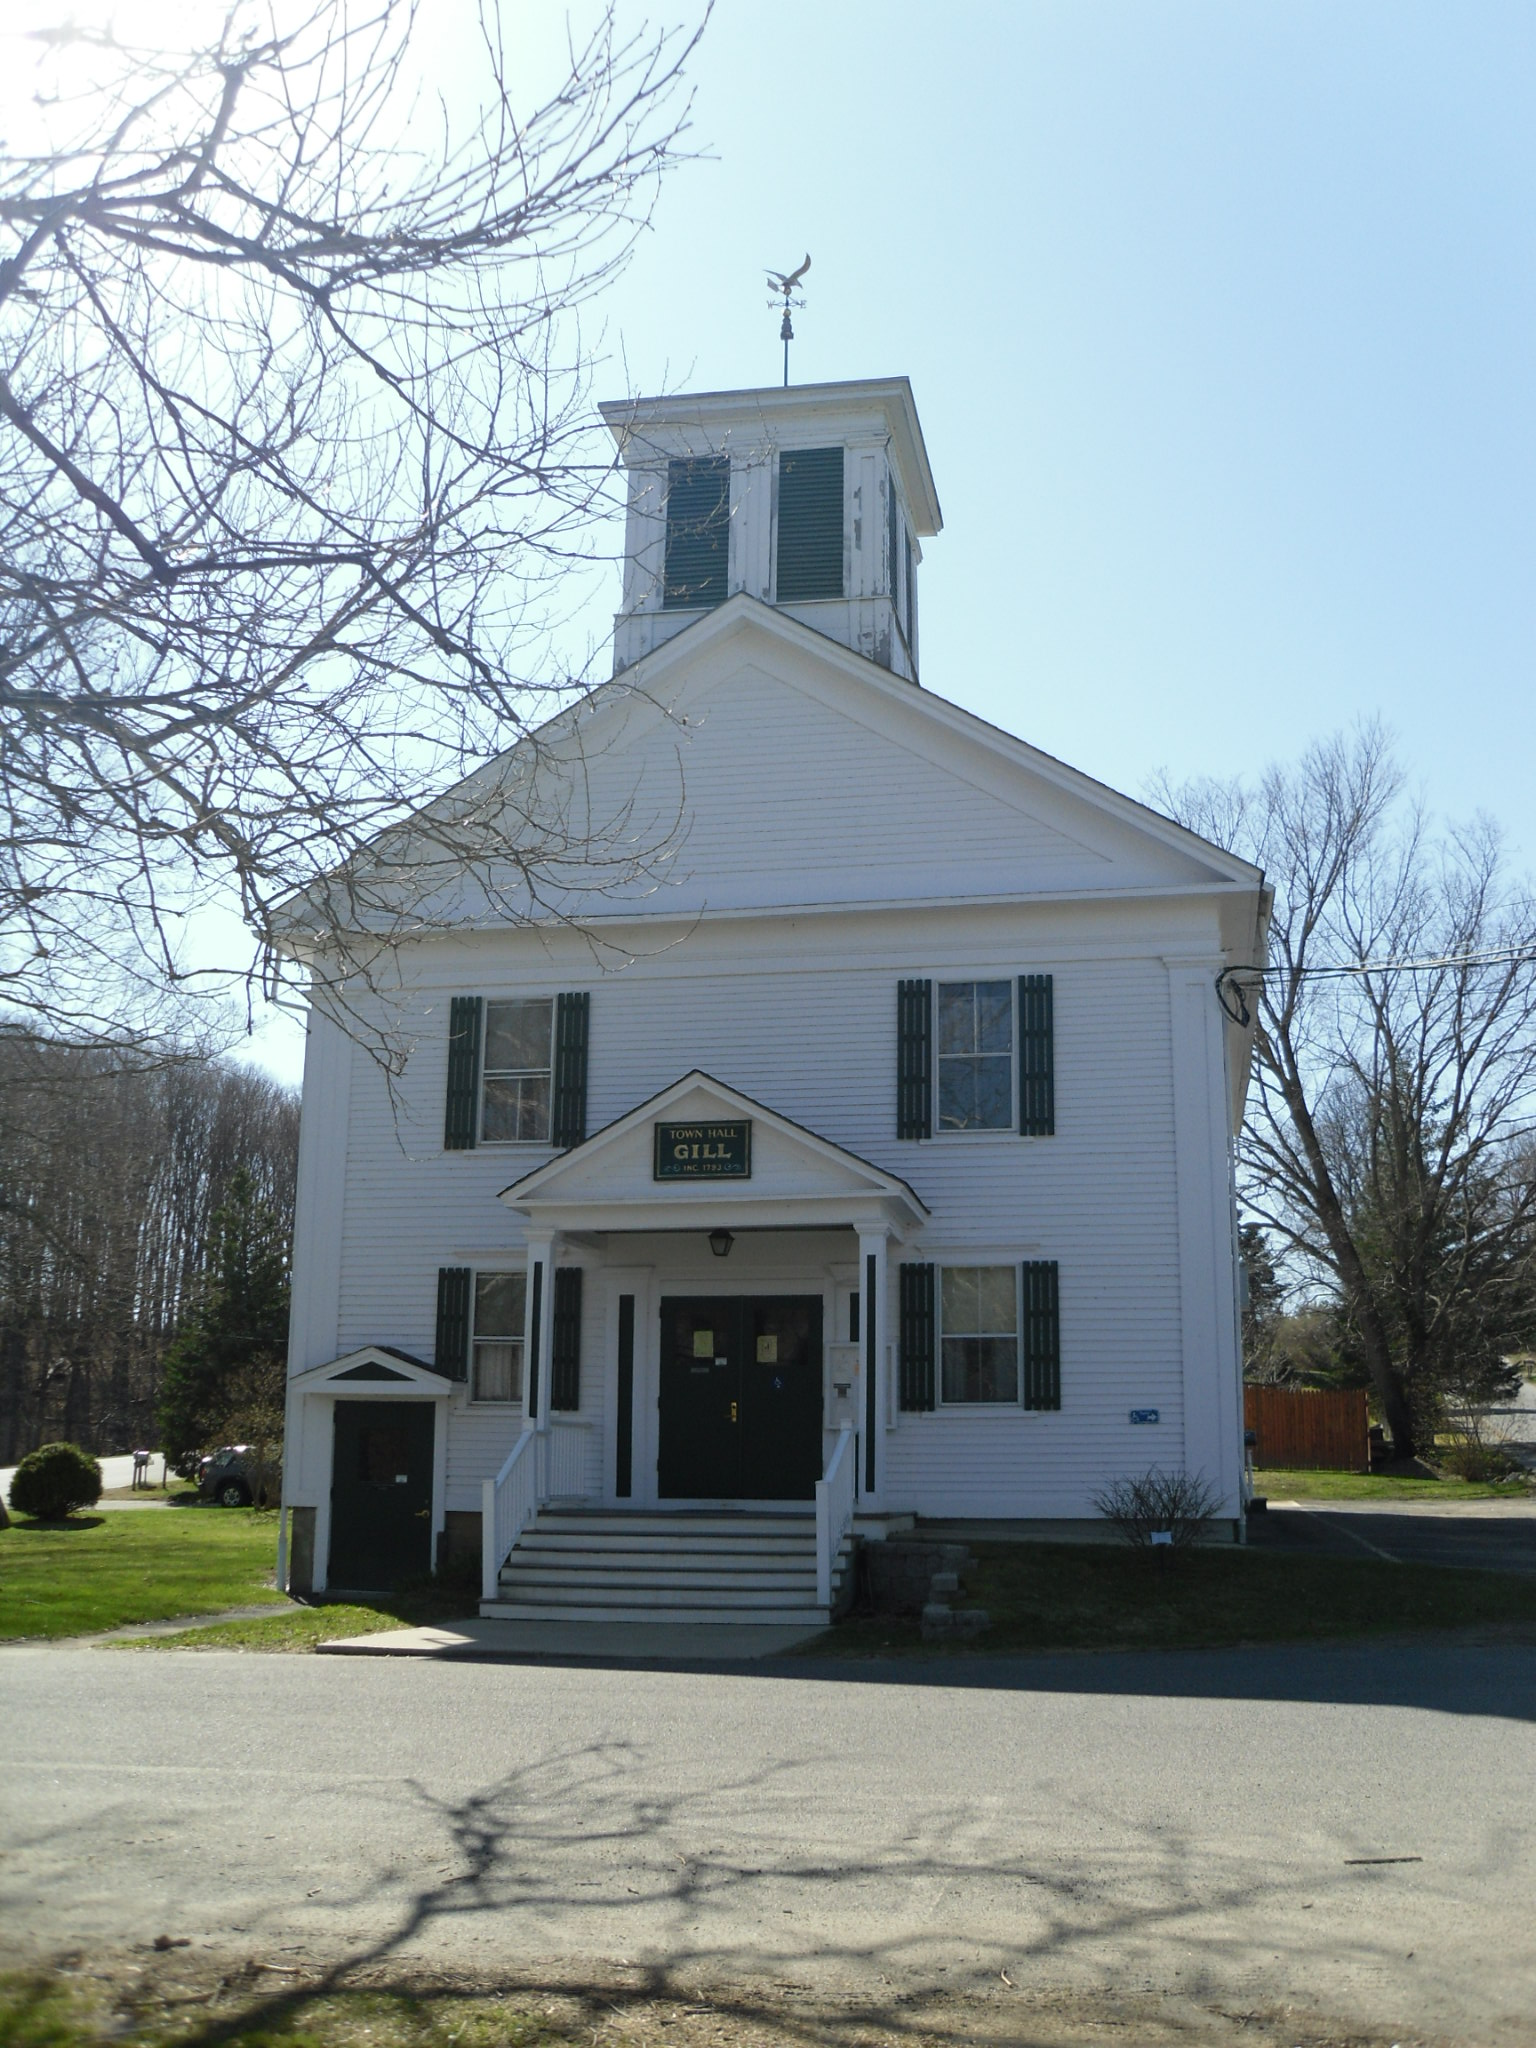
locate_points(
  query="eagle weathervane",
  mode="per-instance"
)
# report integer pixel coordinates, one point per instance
(785, 282)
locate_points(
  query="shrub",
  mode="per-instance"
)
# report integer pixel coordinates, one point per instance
(1467, 1458)
(54, 1481)
(5, 1520)
(1179, 1504)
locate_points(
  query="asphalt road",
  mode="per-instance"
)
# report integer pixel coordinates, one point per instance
(1195, 1827)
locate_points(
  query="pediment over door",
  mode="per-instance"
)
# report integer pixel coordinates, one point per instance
(702, 1156)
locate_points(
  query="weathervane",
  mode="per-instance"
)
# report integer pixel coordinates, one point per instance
(785, 282)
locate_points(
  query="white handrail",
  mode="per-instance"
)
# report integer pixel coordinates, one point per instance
(508, 1503)
(544, 1465)
(834, 1512)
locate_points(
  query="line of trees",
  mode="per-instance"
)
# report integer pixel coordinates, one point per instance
(111, 1176)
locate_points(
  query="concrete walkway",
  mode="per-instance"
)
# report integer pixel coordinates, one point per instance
(483, 1641)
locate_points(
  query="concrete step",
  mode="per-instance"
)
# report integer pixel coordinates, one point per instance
(666, 1543)
(739, 1600)
(690, 1524)
(682, 1576)
(688, 1565)
(788, 1617)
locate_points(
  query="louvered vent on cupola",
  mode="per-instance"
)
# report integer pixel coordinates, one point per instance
(810, 562)
(698, 532)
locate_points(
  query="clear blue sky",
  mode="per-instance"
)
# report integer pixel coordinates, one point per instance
(1219, 317)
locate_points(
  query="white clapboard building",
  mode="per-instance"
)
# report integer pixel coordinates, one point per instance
(849, 1141)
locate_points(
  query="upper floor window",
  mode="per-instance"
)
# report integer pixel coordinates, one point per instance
(516, 1086)
(497, 1369)
(698, 532)
(810, 560)
(975, 1055)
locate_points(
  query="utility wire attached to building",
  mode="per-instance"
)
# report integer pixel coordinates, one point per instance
(1230, 978)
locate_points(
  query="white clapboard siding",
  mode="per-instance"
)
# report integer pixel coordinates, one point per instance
(814, 1038)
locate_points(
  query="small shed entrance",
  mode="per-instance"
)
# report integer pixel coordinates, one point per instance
(381, 1494)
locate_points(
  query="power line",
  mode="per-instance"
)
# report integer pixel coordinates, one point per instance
(1489, 956)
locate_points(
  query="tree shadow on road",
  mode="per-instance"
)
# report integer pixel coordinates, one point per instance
(582, 1879)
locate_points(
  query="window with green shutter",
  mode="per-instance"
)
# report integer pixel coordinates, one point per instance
(1042, 1334)
(565, 1341)
(451, 1355)
(568, 1122)
(698, 532)
(914, 1059)
(916, 1336)
(461, 1116)
(1037, 1057)
(810, 558)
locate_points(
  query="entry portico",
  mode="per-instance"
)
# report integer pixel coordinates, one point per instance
(743, 1266)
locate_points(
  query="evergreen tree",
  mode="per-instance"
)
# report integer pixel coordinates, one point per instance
(236, 1326)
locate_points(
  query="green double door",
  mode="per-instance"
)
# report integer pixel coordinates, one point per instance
(741, 1398)
(381, 1494)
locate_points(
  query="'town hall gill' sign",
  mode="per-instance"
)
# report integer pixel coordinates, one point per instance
(704, 1151)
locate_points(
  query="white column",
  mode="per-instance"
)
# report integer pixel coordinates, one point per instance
(873, 1339)
(541, 1294)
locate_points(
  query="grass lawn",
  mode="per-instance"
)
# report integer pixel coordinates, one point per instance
(1070, 1596)
(303, 1628)
(1384, 1486)
(274, 2011)
(102, 1571)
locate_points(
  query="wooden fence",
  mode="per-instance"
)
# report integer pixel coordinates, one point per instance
(1301, 1428)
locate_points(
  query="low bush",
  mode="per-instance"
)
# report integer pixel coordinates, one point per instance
(1467, 1458)
(55, 1481)
(1178, 1505)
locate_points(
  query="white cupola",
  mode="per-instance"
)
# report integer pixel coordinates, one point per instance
(814, 499)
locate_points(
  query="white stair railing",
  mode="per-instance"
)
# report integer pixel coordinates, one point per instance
(565, 1471)
(834, 1512)
(544, 1465)
(508, 1504)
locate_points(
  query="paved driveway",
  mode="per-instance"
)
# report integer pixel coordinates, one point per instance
(1211, 1833)
(1494, 1535)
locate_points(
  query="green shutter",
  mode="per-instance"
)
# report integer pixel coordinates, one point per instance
(533, 1338)
(462, 1115)
(698, 532)
(911, 601)
(892, 540)
(1037, 1057)
(568, 1119)
(451, 1356)
(1042, 1334)
(565, 1340)
(917, 1337)
(914, 1059)
(810, 560)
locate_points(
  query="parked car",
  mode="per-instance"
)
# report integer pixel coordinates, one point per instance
(226, 1477)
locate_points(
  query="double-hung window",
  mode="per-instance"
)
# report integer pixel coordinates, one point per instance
(518, 1060)
(979, 1333)
(975, 1055)
(496, 1367)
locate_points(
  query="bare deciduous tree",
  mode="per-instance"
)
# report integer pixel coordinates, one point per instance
(110, 1175)
(1387, 1143)
(293, 453)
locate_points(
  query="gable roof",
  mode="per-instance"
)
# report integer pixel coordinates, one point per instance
(752, 765)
